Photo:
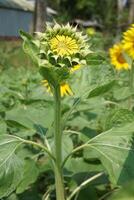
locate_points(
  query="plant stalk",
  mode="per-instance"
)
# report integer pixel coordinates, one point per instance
(60, 195)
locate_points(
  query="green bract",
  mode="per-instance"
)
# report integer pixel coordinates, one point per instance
(56, 51)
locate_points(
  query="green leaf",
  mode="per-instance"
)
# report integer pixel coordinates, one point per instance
(121, 93)
(125, 193)
(95, 59)
(40, 129)
(83, 166)
(54, 75)
(119, 116)
(12, 197)
(30, 46)
(67, 146)
(89, 193)
(115, 150)
(3, 127)
(30, 118)
(99, 90)
(31, 173)
(48, 74)
(10, 165)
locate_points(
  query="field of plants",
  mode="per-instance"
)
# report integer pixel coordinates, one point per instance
(66, 135)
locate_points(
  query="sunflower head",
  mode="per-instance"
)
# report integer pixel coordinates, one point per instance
(128, 41)
(63, 46)
(56, 51)
(117, 57)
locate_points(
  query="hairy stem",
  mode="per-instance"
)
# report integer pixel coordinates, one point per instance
(58, 146)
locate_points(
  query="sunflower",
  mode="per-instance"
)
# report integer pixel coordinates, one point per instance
(56, 50)
(117, 58)
(63, 46)
(128, 41)
(64, 88)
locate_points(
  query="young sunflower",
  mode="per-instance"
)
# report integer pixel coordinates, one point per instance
(128, 41)
(56, 51)
(62, 47)
(63, 42)
(117, 58)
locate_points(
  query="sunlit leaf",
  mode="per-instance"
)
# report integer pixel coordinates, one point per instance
(11, 167)
(115, 150)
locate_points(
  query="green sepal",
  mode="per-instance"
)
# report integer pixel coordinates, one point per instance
(54, 75)
(62, 73)
(48, 74)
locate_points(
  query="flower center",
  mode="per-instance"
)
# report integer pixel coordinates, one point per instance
(120, 58)
(64, 45)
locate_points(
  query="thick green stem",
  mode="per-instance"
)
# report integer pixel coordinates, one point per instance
(58, 146)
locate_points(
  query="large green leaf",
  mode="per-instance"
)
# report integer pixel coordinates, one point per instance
(115, 150)
(83, 166)
(31, 173)
(30, 119)
(10, 165)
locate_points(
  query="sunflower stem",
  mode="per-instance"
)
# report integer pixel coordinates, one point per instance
(131, 84)
(60, 195)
